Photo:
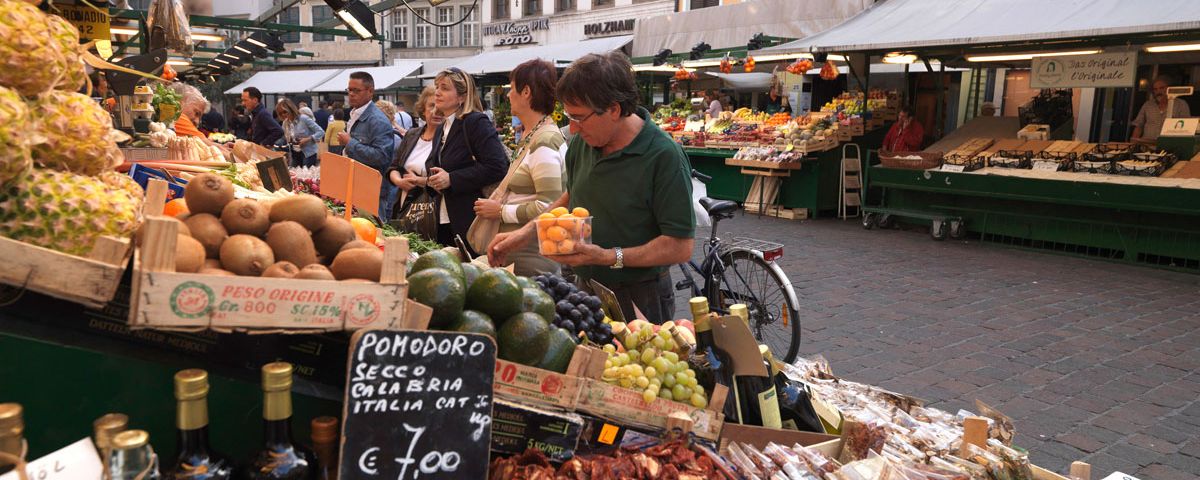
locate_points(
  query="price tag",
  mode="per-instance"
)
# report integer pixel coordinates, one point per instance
(953, 168)
(418, 405)
(608, 434)
(274, 174)
(77, 460)
(1045, 166)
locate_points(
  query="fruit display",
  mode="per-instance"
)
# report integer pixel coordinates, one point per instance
(560, 230)
(40, 52)
(222, 137)
(651, 362)
(73, 133)
(576, 311)
(800, 67)
(748, 64)
(777, 119)
(15, 158)
(847, 103)
(68, 212)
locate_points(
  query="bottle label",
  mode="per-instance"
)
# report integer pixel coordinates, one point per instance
(768, 405)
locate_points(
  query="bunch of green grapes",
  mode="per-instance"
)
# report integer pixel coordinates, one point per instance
(649, 364)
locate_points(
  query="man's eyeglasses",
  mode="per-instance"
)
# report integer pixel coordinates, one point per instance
(579, 119)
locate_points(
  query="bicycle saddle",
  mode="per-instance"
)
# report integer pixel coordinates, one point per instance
(718, 207)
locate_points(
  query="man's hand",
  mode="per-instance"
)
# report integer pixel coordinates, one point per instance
(587, 254)
(487, 208)
(343, 138)
(503, 243)
(440, 180)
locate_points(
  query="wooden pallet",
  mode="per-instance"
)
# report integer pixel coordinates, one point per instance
(1001, 144)
(1062, 146)
(971, 147)
(779, 211)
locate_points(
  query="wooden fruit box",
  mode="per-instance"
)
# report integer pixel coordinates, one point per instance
(164, 299)
(971, 147)
(91, 281)
(764, 164)
(534, 386)
(626, 406)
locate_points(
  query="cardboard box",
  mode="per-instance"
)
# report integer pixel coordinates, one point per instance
(516, 428)
(761, 436)
(534, 386)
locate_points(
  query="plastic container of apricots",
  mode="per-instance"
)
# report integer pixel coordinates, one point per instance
(560, 230)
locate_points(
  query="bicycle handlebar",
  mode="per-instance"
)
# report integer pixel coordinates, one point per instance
(700, 176)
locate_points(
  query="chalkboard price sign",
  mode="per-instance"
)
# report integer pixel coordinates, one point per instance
(418, 405)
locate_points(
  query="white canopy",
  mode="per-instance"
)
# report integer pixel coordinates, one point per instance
(906, 24)
(757, 81)
(734, 25)
(503, 61)
(385, 77)
(285, 81)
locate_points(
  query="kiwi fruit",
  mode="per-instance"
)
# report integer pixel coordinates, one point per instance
(216, 271)
(335, 233)
(305, 209)
(209, 231)
(208, 193)
(246, 255)
(353, 244)
(189, 254)
(364, 263)
(211, 263)
(183, 230)
(315, 272)
(246, 216)
(282, 269)
(291, 242)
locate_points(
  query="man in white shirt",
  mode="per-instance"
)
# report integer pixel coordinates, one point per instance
(1149, 121)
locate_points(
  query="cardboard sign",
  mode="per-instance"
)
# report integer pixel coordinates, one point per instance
(93, 24)
(1085, 71)
(519, 427)
(418, 405)
(351, 182)
(74, 461)
(1180, 127)
(953, 168)
(1045, 166)
(275, 175)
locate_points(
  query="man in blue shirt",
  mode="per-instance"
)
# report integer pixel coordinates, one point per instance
(264, 130)
(368, 136)
(322, 115)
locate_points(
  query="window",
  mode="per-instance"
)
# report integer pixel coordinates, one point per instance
(499, 9)
(533, 7)
(399, 25)
(564, 5)
(602, 3)
(290, 16)
(705, 3)
(445, 34)
(470, 26)
(423, 30)
(321, 14)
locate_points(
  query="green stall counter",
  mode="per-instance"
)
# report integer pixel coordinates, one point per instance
(1141, 224)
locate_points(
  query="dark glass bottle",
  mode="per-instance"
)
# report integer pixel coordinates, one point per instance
(712, 365)
(196, 460)
(757, 401)
(281, 458)
(12, 428)
(325, 445)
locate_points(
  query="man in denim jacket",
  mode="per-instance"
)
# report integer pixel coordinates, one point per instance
(368, 136)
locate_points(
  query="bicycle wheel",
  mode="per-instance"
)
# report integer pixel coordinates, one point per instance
(774, 316)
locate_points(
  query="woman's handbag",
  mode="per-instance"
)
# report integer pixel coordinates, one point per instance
(417, 214)
(483, 230)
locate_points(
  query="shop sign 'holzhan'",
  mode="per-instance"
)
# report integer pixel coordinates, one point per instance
(612, 27)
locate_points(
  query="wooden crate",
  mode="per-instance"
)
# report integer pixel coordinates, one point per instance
(971, 147)
(164, 299)
(626, 406)
(89, 281)
(1036, 146)
(779, 211)
(843, 134)
(1062, 146)
(764, 164)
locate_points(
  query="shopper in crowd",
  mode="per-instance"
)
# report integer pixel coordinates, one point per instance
(389, 111)
(336, 125)
(307, 112)
(322, 115)
(301, 134)
(633, 179)
(535, 175)
(239, 122)
(368, 138)
(1149, 121)
(410, 164)
(403, 120)
(906, 135)
(487, 108)
(470, 157)
(714, 104)
(264, 130)
(212, 121)
(192, 106)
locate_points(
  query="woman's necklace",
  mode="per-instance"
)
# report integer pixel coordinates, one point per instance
(528, 138)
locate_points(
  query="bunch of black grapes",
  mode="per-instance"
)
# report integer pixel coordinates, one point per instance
(575, 311)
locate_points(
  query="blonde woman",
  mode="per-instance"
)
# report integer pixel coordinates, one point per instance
(389, 109)
(535, 178)
(469, 158)
(301, 133)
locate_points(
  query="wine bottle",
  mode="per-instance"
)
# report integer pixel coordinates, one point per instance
(795, 407)
(132, 457)
(103, 431)
(281, 458)
(757, 400)
(12, 438)
(711, 364)
(195, 460)
(324, 439)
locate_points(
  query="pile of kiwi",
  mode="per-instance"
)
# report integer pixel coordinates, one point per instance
(292, 237)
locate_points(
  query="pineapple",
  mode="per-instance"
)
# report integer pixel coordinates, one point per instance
(35, 55)
(74, 132)
(14, 144)
(67, 35)
(68, 212)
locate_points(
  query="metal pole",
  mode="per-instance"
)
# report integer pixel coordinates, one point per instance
(938, 119)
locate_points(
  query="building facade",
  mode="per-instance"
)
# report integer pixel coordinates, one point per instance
(524, 23)
(424, 31)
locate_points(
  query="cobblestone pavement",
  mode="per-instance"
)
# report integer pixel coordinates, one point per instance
(1094, 361)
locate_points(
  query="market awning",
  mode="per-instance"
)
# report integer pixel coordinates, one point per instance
(285, 81)
(897, 25)
(562, 54)
(386, 78)
(734, 25)
(755, 81)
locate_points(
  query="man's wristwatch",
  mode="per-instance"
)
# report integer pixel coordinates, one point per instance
(620, 263)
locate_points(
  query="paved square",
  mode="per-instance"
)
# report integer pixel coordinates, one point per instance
(1094, 360)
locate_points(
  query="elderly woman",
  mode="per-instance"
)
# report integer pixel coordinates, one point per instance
(300, 132)
(408, 170)
(192, 106)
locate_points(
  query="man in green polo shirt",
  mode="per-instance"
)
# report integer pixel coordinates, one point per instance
(633, 179)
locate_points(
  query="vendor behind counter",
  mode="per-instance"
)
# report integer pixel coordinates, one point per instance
(1149, 121)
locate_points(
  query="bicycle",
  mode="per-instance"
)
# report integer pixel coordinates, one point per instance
(744, 271)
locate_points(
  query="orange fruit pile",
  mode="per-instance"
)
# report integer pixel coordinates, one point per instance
(560, 230)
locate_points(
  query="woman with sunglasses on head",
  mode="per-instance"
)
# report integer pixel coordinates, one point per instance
(469, 159)
(535, 175)
(300, 132)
